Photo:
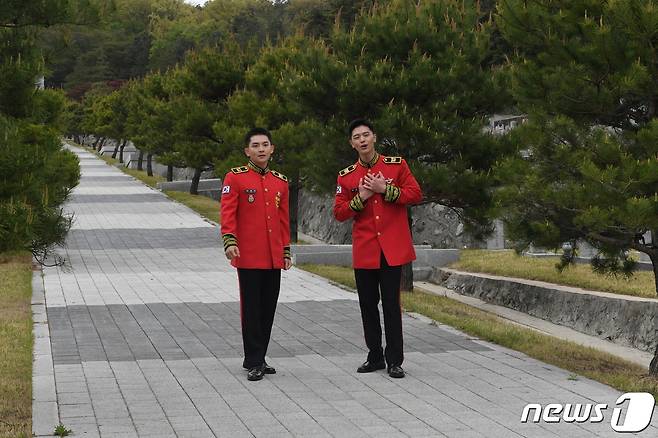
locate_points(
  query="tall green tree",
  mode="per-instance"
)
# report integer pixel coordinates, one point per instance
(37, 173)
(423, 73)
(115, 48)
(200, 89)
(271, 98)
(586, 74)
(149, 120)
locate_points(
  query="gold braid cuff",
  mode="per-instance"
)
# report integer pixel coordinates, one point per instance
(356, 204)
(392, 193)
(229, 240)
(286, 253)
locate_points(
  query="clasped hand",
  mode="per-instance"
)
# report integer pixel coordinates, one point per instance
(371, 184)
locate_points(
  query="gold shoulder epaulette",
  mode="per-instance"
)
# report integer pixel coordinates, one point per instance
(347, 170)
(392, 160)
(279, 175)
(241, 169)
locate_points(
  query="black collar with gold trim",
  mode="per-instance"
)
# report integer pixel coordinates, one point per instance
(257, 169)
(371, 163)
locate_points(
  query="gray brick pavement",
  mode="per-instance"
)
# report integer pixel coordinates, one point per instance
(144, 340)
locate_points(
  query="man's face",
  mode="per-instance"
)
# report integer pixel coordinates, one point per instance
(363, 140)
(259, 150)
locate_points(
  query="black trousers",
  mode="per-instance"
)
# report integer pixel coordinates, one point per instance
(369, 284)
(259, 292)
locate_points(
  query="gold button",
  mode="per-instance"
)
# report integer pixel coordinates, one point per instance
(375, 201)
(267, 203)
(376, 217)
(270, 231)
(269, 217)
(266, 189)
(378, 233)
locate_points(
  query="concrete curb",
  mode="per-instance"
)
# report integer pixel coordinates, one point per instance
(625, 320)
(524, 320)
(45, 412)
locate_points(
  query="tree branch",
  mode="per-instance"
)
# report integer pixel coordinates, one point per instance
(618, 242)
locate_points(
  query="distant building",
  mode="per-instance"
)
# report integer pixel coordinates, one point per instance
(503, 123)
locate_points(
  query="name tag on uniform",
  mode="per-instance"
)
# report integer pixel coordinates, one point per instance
(252, 194)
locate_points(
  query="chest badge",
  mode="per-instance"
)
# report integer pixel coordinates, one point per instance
(252, 195)
(277, 199)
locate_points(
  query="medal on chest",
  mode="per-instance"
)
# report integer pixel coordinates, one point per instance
(251, 195)
(277, 199)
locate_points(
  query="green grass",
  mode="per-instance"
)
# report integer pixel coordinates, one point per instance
(338, 274)
(508, 264)
(15, 345)
(585, 361)
(143, 177)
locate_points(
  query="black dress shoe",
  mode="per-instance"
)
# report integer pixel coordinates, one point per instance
(396, 372)
(266, 368)
(369, 367)
(255, 373)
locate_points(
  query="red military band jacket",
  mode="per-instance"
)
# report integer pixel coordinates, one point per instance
(254, 217)
(381, 222)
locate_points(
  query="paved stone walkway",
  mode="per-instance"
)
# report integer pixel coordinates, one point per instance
(140, 336)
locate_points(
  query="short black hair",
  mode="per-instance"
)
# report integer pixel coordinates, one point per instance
(359, 122)
(257, 131)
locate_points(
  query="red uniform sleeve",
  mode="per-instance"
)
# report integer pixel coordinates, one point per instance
(284, 217)
(342, 209)
(406, 191)
(228, 211)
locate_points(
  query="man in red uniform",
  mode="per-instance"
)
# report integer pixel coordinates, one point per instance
(375, 192)
(256, 233)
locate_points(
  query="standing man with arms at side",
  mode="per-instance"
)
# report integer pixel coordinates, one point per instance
(376, 191)
(256, 233)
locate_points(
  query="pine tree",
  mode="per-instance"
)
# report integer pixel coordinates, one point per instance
(422, 72)
(37, 174)
(275, 96)
(585, 74)
(198, 100)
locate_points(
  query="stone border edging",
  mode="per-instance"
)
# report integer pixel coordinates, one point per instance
(45, 413)
(626, 320)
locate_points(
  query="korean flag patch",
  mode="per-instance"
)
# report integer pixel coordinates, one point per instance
(226, 189)
(339, 189)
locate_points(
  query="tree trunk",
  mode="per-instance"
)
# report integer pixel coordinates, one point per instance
(194, 187)
(293, 204)
(123, 145)
(170, 172)
(407, 278)
(100, 146)
(140, 160)
(116, 149)
(653, 366)
(653, 255)
(76, 138)
(98, 140)
(149, 164)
